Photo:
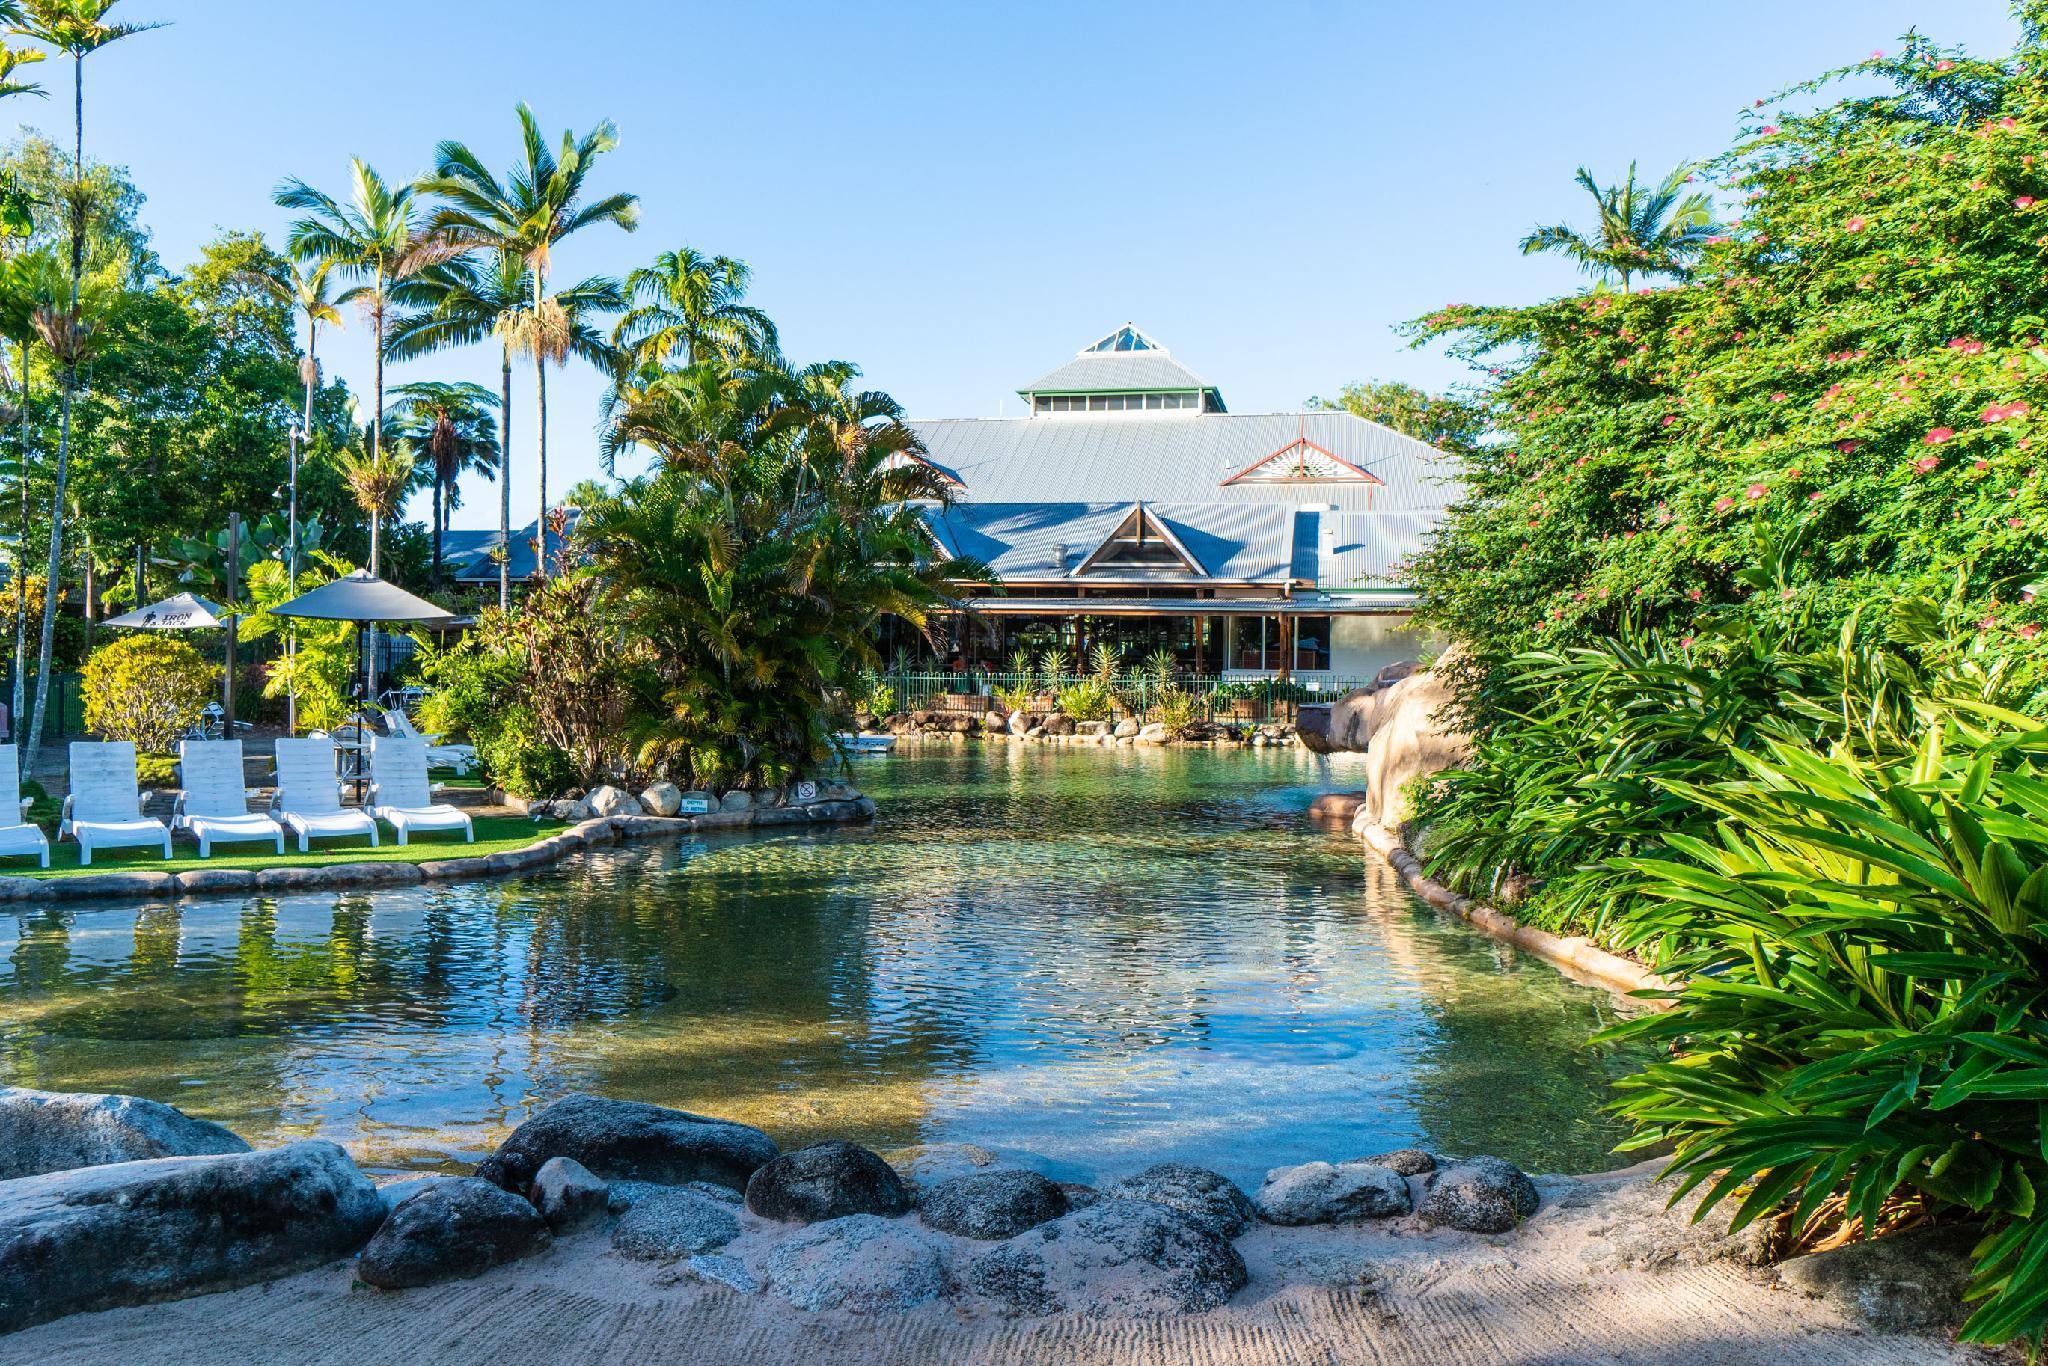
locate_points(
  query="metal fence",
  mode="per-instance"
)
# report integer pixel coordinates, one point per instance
(66, 703)
(1225, 700)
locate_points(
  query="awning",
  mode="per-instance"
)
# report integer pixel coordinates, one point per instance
(178, 612)
(361, 596)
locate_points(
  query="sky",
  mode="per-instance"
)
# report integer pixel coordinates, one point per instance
(959, 196)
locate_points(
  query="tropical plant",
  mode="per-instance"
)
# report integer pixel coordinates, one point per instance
(1054, 665)
(1087, 700)
(378, 478)
(524, 216)
(77, 28)
(1641, 230)
(690, 307)
(315, 674)
(1104, 661)
(148, 688)
(1178, 710)
(455, 424)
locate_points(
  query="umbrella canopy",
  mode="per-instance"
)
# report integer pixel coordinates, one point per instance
(179, 612)
(363, 597)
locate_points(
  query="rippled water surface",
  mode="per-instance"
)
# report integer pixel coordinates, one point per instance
(1108, 957)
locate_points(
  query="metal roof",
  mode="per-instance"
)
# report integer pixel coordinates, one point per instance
(1022, 542)
(1184, 458)
(1357, 604)
(481, 568)
(1106, 372)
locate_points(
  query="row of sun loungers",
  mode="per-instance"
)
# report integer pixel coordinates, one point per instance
(104, 810)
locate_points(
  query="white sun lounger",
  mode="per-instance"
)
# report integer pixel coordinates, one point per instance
(308, 797)
(401, 794)
(104, 810)
(214, 803)
(17, 835)
(461, 758)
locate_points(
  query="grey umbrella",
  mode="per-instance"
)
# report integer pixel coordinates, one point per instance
(178, 612)
(362, 597)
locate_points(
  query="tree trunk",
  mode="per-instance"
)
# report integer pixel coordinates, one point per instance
(20, 699)
(540, 378)
(505, 487)
(437, 529)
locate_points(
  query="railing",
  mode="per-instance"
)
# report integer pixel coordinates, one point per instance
(66, 704)
(1254, 700)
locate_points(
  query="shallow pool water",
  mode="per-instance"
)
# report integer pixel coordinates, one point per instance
(1109, 957)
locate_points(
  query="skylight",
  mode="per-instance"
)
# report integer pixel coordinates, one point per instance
(1125, 338)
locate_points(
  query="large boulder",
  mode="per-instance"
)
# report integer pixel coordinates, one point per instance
(862, 1263)
(1059, 723)
(133, 1232)
(991, 1205)
(1209, 1198)
(613, 801)
(662, 799)
(1126, 729)
(54, 1131)
(1479, 1195)
(673, 1224)
(1120, 1257)
(626, 1140)
(826, 1181)
(1406, 1161)
(568, 1195)
(1405, 728)
(1332, 1193)
(448, 1231)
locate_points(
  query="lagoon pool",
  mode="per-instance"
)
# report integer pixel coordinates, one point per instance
(1109, 957)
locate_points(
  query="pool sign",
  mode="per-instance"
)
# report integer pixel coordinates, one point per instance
(807, 792)
(694, 806)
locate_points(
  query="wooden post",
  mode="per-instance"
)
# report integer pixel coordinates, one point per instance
(234, 591)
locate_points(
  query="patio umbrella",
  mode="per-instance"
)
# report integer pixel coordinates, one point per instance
(178, 612)
(363, 598)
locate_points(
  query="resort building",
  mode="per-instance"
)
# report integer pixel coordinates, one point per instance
(1131, 506)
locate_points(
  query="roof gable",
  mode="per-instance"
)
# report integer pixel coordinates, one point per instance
(1140, 542)
(1303, 461)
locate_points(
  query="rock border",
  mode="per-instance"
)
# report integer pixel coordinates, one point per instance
(1574, 954)
(153, 884)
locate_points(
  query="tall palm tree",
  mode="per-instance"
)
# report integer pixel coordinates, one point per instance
(458, 303)
(689, 306)
(454, 424)
(378, 478)
(77, 28)
(1641, 231)
(562, 327)
(374, 238)
(17, 219)
(535, 207)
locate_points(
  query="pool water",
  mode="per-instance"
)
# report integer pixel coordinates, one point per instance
(1108, 957)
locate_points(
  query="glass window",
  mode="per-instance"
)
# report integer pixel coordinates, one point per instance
(1312, 643)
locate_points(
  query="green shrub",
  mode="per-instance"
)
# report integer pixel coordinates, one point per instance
(1178, 710)
(1088, 700)
(149, 688)
(518, 759)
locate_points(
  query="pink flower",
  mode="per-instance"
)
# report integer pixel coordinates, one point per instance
(1778, 398)
(1854, 225)
(2015, 523)
(1981, 466)
(2025, 201)
(2009, 123)
(1792, 473)
(1987, 623)
(1813, 497)
(1968, 346)
(1685, 642)
(1927, 464)
(1769, 129)
(1944, 65)
(1848, 447)
(2029, 631)
(1693, 593)
(1755, 491)
(1669, 420)
(1939, 435)
(1723, 504)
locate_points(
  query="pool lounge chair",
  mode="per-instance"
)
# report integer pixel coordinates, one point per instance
(308, 798)
(461, 758)
(401, 795)
(17, 834)
(213, 803)
(104, 810)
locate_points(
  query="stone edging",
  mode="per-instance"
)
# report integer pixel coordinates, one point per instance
(1578, 956)
(601, 830)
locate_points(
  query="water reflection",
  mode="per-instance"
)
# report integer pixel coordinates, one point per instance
(1106, 957)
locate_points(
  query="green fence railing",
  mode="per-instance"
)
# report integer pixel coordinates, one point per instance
(1253, 700)
(66, 703)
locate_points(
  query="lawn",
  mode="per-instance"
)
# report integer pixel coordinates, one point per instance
(494, 835)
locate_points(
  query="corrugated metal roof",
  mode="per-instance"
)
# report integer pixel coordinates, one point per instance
(481, 568)
(1099, 372)
(1367, 549)
(1086, 458)
(1022, 541)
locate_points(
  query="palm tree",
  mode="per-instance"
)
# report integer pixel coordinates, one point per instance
(1641, 231)
(378, 478)
(374, 238)
(17, 219)
(535, 207)
(561, 328)
(458, 303)
(77, 28)
(454, 424)
(687, 305)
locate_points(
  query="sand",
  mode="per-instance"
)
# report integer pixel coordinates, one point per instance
(1601, 1274)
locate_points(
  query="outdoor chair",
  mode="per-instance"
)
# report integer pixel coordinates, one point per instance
(17, 834)
(401, 795)
(461, 758)
(308, 799)
(213, 802)
(104, 810)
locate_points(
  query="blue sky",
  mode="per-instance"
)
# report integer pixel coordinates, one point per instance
(959, 196)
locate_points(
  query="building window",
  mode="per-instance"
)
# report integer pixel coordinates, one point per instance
(1112, 403)
(1312, 643)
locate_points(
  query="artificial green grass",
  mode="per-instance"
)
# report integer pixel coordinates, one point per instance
(494, 835)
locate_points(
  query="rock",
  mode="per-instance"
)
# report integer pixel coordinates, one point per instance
(570, 810)
(1322, 1193)
(1210, 1198)
(699, 801)
(1020, 723)
(567, 1195)
(537, 809)
(1152, 733)
(1123, 1257)
(1479, 1195)
(720, 1269)
(674, 1224)
(626, 1194)
(1337, 806)
(662, 799)
(736, 800)
(613, 801)
(826, 1181)
(51, 1131)
(198, 881)
(1910, 1283)
(862, 1263)
(1406, 1161)
(927, 1164)
(1126, 729)
(1091, 728)
(1059, 723)
(395, 1193)
(1394, 673)
(991, 1205)
(449, 1231)
(133, 1232)
(625, 1140)
(1079, 1196)
(1406, 729)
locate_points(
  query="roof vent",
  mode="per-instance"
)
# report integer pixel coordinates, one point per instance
(1059, 557)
